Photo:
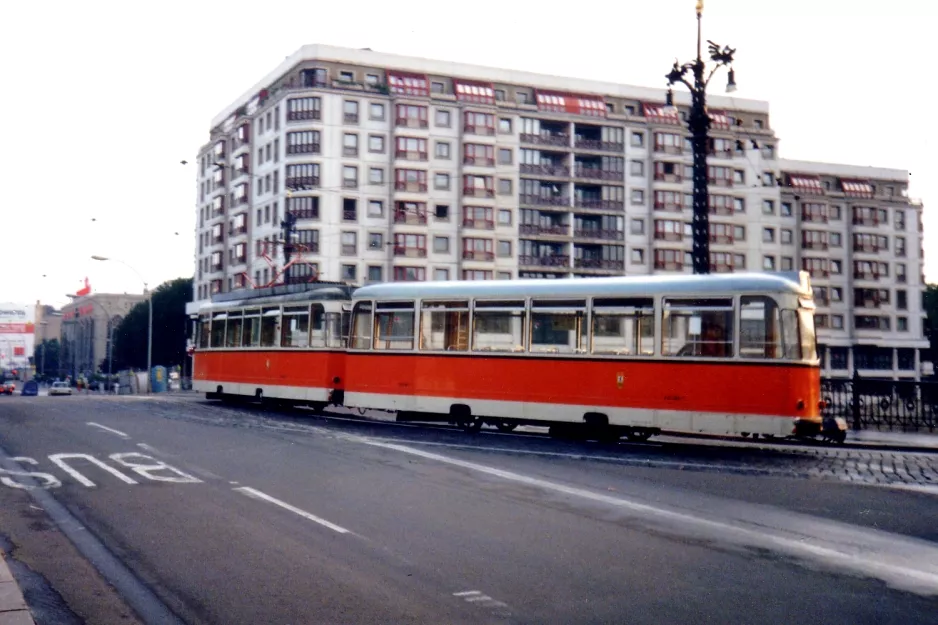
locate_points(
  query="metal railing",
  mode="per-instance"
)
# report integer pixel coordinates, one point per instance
(902, 405)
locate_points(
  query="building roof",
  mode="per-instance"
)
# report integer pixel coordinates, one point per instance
(371, 58)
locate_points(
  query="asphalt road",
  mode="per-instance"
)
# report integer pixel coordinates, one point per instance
(151, 510)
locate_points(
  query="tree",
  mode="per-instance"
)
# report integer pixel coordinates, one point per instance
(930, 303)
(170, 328)
(47, 362)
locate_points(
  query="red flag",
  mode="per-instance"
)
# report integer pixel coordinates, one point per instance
(84, 291)
(19, 351)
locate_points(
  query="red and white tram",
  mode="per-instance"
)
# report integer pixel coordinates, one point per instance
(632, 356)
(720, 354)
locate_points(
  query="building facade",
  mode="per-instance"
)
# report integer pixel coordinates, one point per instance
(87, 330)
(398, 168)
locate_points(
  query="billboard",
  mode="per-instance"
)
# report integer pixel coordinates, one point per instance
(17, 334)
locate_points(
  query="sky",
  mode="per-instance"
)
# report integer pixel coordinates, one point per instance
(102, 100)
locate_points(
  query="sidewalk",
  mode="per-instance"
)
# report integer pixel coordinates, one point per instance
(923, 440)
(13, 610)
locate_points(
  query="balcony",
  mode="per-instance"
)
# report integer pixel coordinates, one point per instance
(813, 217)
(814, 245)
(665, 265)
(722, 209)
(721, 239)
(550, 171)
(662, 235)
(865, 221)
(478, 256)
(298, 182)
(598, 263)
(411, 219)
(219, 238)
(293, 116)
(479, 224)
(595, 173)
(411, 187)
(669, 177)
(557, 140)
(241, 199)
(671, 206)
(217, 266)
(544, 200)
(607, 205)
(598, 146)
(411, 155)
(475, 192)
(411, 122)
(560, 230)
(478, 161)
(544, 261)
(305, 148)
(867, 248)
(866, 275)
(471, 129)
(237, 231)
(720, 182)
(598, 233)
(350, 118)
(240, 260)
(306, 213)
(661, 148)
(410, 252)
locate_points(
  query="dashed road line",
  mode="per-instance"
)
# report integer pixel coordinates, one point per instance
(256, 494)
(107, 429)
(476, 597)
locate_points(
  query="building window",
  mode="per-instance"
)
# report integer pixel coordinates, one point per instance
(638, 196)
(637, 226)
(503, 249)
(638, 139)
(768, 235)
(410, 274)
(376, 111)
(441, 181)
(375, 208)
(375, 273)
(637, 168)
(350, 177)
(441, 274)
(349, 272)
(638, 256)
(349, 209)
(375, 240)
(504, 186)
(504, 156)
(350, 144)
(350, 111)
(902, 324)
(504, 217)
(786, 209)
(441, 245)
(376, 176)
(768, 263)
(768, 207)
(441, 212)
(787, 263)
(443, 118)
(441, 149)
(349, 244)
(376, 144)
(504, 125)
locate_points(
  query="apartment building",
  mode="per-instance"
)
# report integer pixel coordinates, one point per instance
(400, 168)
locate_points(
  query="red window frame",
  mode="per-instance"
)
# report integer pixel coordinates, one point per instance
(402, 151)
(402, 181)
(400, 274)
(411, 115)
(401, 247)
(478, 154)
(488, 190)
(478, 123)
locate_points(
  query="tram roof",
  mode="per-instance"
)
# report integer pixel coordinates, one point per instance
(282, 294)
(796, 283)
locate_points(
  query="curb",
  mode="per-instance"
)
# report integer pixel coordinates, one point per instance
(13, 608)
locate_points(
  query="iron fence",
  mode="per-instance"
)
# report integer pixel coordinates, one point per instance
(904, 405)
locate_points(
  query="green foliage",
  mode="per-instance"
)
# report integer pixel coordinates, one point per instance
(930, 303)
(170, 328)
(47, 358)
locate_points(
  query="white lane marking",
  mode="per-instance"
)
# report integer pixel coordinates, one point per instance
(256, 494)
(106, 428)
(928, 489)
(913, 566)
(59, 461)
(466, 593)
(476, 597)
(151, 466)
(197, 470)
(50, 480)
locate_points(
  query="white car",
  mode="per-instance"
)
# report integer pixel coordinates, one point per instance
(60, 388)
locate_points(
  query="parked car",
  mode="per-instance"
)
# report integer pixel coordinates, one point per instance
(60, 388)
(30, 388)
(8, 387)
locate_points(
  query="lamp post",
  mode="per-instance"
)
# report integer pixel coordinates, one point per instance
(146, 290)
(699, 126)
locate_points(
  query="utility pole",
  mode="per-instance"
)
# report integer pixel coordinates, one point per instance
(289, 227)
(699, 125)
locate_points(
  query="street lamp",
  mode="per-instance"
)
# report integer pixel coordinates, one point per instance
(699, 126)
(146, 289)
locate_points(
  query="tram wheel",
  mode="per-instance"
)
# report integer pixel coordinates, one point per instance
(504, 426)
(638, 436)
(472, 423)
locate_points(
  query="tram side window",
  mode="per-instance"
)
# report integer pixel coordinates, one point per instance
(251, 336)
(233, 332)
(624, 326)
(336, 329)
(791, 342)
(270, 320)
(759, 327)
(444, 326)
(361, 326)
(559, 327)
(317, 326)
(218, 329)
(809, 349)
(697, 327)
(394, 325)
(205, 329)
(498, 327)
(294, 328)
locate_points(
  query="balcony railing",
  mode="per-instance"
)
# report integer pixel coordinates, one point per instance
(558, 140)
(414, 219)
(867, 249)
(471, 129)
(536, 230)
(865, 275)
(479, 224)
(544, 200)
(301, 115)
(669, 149)
(720, 182)
(599, 263)
(814, 217)
(304, 148)
(610, 205)
(544, 261)
(665, 265)
(598, 233)
(411, 122)
(412, 187)
(410, 252)
(676, 207)
(476, 255)
(554, 171)
(301, 181)
(814, 245)
(306, 213)
(595, 173)
(478, 161)
(476, 192)
(599, 146)
(410, 155)
(662, 235)
(721, 239)
(350, 118)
